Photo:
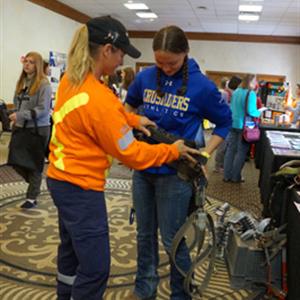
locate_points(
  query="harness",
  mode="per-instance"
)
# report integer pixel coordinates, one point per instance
(199, 226)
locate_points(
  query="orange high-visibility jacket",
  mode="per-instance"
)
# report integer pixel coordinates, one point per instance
(90, 125)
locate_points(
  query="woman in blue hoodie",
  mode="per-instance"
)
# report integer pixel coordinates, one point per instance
(177, 97)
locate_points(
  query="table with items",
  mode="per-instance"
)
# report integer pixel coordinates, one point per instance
(261, 144)
(279, 147)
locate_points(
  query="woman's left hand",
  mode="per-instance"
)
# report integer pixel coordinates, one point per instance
(144, 121)
(13, 118)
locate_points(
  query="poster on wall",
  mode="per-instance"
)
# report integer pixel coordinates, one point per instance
(57, 66)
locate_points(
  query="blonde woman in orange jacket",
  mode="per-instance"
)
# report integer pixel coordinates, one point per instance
(90, 126)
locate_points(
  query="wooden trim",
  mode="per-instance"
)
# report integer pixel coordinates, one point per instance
(10, 106)
(76, 15)
(62, 9)
(227, 37)
(141, 65)
(216, 76)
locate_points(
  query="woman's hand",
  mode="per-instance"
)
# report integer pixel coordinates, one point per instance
(144, 121)
(13, 118)
(186, 152)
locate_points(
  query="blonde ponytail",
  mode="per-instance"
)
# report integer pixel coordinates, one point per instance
(80, 61)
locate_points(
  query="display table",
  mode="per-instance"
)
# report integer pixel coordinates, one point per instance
(272, 157)
(261, 144)
(277, 147)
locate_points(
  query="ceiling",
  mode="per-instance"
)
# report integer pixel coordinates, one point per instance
(278, 17)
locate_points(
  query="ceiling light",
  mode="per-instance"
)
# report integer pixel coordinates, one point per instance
(248, 17)
(250, 8)
(136, 6)
(146, 15)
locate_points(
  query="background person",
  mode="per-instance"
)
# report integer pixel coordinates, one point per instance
(33, 92)
(127, 76)
(177, 97)
(90, 126)
(237, 148)
(4, 119)
(220, 153)
(295, 107)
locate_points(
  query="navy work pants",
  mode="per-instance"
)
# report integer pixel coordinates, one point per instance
(83, 259)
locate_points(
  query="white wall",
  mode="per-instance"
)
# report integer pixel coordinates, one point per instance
(26, 27)
(263, 58)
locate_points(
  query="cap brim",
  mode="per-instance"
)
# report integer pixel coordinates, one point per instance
(131, 51)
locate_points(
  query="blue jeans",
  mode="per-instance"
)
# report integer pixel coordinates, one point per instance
(220, 154)
(83, 259)
(160, 201)
(235, 155)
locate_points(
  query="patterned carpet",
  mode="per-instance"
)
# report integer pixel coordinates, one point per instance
(29, 241)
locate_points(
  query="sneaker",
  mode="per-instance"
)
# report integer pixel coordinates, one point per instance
(29, 203)
(239, 181)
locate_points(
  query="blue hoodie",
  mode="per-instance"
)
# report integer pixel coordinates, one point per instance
(180, 115)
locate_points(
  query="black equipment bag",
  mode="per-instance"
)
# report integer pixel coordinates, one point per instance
(186, 170)
(282, 180)
(27, 148)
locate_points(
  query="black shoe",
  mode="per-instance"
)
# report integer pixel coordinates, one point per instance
(29, 204)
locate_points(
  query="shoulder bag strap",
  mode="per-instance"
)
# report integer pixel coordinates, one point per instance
(246, 106)
(33, 116)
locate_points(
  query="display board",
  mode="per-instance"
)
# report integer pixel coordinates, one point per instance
(57, 65)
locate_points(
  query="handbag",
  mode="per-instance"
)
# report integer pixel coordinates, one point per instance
(27, 147)
(250, 134)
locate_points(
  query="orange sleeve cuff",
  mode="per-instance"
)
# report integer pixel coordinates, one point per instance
(175, 151)
(133, 119)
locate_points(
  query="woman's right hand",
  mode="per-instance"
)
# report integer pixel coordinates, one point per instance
(13, 118)
(185, 151)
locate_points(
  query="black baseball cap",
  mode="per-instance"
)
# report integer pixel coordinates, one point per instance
(107, 30)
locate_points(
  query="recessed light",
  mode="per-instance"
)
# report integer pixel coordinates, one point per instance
(136, 6)
(248, 17)
(250, 8)
(146, 15)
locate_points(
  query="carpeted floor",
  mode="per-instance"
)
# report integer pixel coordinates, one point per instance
(30, 238)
